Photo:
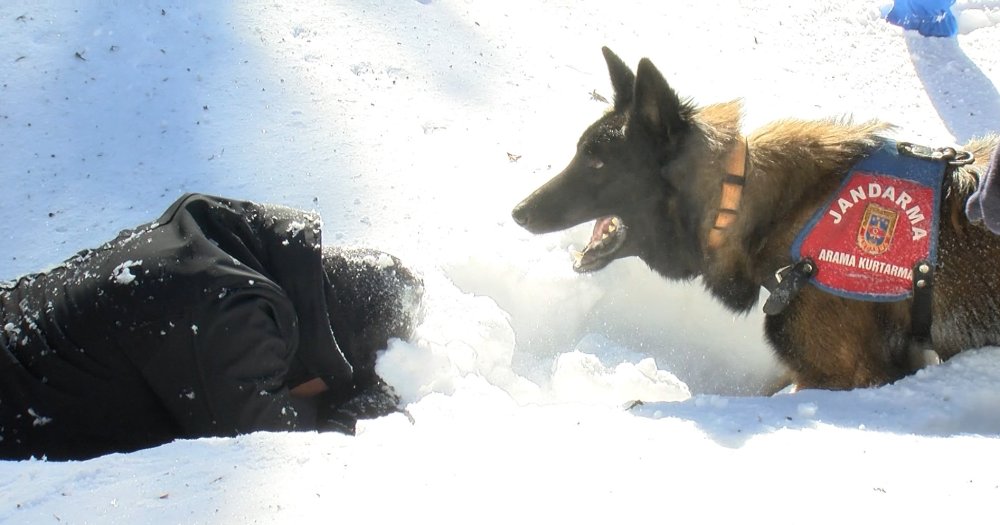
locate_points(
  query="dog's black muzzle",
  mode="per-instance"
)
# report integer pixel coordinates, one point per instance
(520, 215)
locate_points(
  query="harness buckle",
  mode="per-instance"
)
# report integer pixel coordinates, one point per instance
(786, 283)
(949, 155)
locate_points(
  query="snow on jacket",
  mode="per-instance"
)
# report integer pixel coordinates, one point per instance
(193, 325)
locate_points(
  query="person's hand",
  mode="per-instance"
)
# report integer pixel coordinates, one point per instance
(373, 401)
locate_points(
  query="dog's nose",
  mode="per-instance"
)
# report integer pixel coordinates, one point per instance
(519, 214)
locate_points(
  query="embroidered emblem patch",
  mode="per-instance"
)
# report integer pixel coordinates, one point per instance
(878, 225)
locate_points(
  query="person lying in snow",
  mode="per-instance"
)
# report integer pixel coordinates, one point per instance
(222, 317)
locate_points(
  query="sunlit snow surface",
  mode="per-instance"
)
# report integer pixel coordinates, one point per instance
(415, 127)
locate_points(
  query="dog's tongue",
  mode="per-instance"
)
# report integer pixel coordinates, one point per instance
(601, 227)
(607, 238)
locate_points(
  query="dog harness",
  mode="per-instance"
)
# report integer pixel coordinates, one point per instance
(876, 238)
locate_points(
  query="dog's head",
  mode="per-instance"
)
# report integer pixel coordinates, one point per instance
(626, 175)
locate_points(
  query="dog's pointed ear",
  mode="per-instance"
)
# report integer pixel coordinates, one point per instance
(622, 79)
(656, 104)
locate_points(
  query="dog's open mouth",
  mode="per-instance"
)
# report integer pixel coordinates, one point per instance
(608, 237)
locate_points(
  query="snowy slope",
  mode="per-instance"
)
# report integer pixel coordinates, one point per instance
(399, 122)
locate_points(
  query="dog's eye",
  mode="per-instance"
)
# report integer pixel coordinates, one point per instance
(595, 163)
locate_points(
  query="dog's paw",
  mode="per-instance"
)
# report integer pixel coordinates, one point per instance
(921, 357)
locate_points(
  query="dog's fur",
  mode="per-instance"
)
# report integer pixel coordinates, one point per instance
(657, 163)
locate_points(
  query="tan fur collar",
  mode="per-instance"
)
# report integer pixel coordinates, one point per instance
(732, 192)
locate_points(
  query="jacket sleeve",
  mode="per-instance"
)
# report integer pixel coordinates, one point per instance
(256, 320)
(285, 245)
(294, 260)
(243, 342)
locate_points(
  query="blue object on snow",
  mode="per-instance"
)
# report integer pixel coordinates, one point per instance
(929, 17)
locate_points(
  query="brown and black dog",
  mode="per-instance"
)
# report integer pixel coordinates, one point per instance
(651, 173)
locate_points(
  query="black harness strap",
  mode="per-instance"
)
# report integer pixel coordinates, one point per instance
(921, 351)
(921, 310)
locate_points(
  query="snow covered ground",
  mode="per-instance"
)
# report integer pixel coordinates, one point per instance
(415, 126)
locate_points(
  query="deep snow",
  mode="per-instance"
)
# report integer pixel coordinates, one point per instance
(414, 127)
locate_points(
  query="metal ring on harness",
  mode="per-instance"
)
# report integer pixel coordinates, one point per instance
(948, 154)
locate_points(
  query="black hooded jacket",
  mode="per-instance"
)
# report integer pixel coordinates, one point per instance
(194, 325)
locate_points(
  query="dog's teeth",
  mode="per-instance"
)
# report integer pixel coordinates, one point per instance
(605, 236)
(577, 256)
(612, 227)
(615, 222)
